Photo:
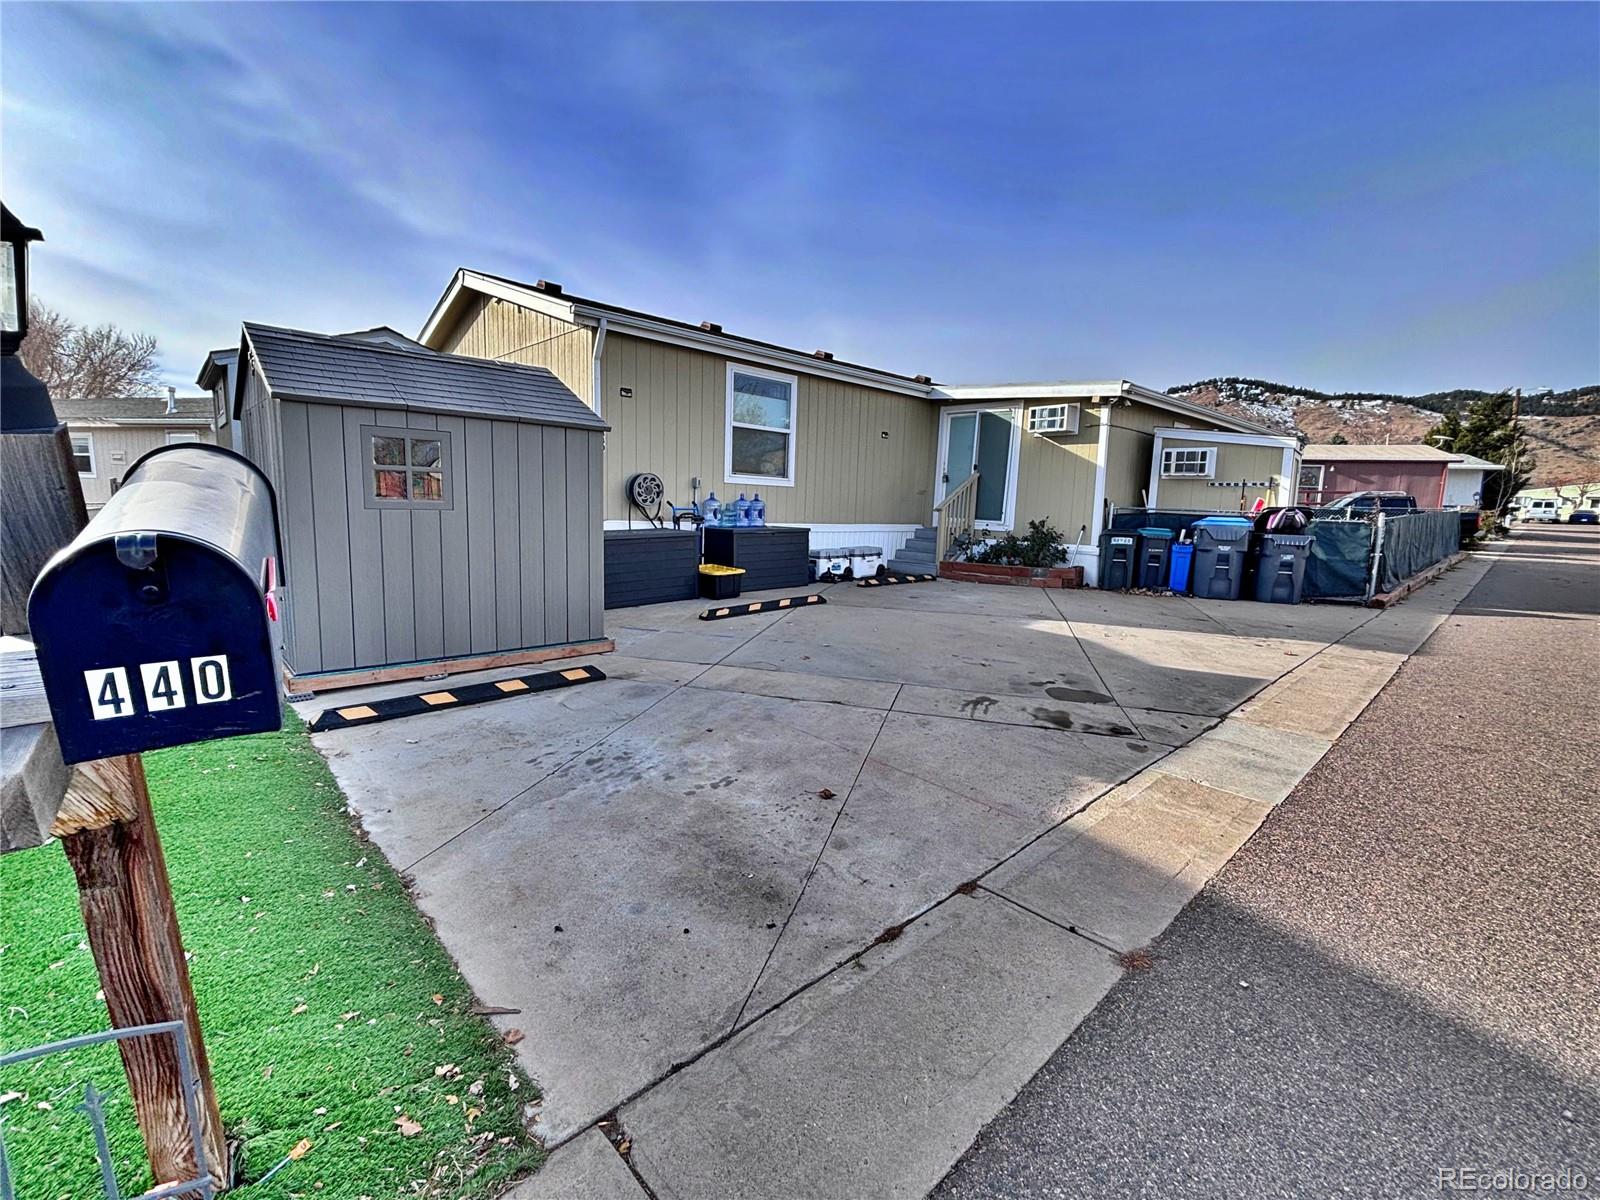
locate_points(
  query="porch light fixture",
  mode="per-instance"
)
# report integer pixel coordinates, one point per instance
(24, 401)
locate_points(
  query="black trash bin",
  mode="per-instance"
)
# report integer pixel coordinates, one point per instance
(1281, 566)
(1155, 546)
(1219, 557)
(1116, 559)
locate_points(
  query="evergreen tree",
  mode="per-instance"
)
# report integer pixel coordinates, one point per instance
(1492, 432)
(1446, 435)
(1338, 439)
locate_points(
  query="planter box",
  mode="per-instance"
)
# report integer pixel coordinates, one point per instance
(1050, 577)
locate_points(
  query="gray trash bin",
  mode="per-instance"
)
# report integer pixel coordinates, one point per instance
(1220, 544)
(1281, 566)
(1116, 559)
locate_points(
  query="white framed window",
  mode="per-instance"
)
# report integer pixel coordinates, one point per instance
(175, 436)
(760, 442)
(1053, 418)
(1311, 476)
(83, 454)
(406, 468)
(1188, 462)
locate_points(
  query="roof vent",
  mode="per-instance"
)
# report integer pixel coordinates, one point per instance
(548, 287)
(827, 354)
(710, 326)
(922, 378)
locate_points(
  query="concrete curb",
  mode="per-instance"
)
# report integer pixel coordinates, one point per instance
(1425, 576)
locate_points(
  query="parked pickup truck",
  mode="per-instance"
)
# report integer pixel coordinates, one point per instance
(1366, 502)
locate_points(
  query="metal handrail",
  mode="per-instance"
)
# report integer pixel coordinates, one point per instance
(956, 515)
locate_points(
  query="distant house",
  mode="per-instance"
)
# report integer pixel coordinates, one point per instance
(217, 376)
(1328, 472)
(857, 454)
(110, 435)
(1557, 502)
(1464, 480)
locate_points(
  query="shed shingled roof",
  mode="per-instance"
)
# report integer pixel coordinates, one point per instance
(321, 369)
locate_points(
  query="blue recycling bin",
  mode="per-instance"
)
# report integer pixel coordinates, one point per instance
(1220, 547)
(1179, 559)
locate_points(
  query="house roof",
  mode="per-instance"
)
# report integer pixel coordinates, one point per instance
(217, 361)
(134, 410)
(1326, 452)
(554, 300)
(385, 334)
(318, 368)
(1471, 462)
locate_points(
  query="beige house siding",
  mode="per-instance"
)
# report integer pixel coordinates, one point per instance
(1055, 476)
(494, 328)
(846, 471)
(1128, 446)
(118, 447)
(1233, 463)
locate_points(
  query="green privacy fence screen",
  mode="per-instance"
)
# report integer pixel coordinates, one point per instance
(1413, 542)
(1340, 567)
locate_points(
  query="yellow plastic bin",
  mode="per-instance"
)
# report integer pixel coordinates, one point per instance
(719, 582)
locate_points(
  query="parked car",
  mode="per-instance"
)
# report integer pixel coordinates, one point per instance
(1584, 516)
(1366, 502)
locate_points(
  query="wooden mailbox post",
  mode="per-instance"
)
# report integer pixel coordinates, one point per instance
(153, 628)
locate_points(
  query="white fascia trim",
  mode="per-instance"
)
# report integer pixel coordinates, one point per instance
(550, 306)
(1289, 488)
(1154, 490)
(596, 374)
(1232, 439)
(1098, 516)
(1031, 391)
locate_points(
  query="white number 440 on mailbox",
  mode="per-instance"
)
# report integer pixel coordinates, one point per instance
(163, 686)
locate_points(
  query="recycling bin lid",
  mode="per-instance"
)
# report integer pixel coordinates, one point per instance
(1289, 539)
(1152, 531)
(1221, 522)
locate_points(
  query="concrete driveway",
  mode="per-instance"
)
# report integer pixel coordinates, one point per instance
(647, 865)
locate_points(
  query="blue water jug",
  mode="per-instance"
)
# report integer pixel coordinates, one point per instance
(758, 510)
(741, 511)
(711, 509)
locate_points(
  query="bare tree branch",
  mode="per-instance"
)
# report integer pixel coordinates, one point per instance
(77, 363)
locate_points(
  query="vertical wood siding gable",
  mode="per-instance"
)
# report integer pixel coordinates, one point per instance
(497, 329)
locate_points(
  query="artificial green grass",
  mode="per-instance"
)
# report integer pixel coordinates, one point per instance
(329, 1008)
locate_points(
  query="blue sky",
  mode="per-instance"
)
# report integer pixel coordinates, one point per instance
(1394, 197)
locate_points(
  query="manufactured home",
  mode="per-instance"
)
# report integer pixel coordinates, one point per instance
(437, 512)
(856, 454)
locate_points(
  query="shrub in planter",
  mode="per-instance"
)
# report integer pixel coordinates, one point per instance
(1042, 547)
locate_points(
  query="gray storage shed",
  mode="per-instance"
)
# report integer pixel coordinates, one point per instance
(439, 513)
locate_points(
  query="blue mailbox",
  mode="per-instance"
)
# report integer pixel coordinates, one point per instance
(154, 626)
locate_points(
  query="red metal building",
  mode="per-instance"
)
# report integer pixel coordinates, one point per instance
(1328, 472)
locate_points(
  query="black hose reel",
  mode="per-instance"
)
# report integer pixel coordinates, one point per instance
(645, 492)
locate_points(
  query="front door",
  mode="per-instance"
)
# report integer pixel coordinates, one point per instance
(984, 440)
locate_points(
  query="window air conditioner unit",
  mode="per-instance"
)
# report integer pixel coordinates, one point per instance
(1053, 418)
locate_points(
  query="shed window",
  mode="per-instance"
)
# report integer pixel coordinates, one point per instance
(175, 436)
(1188, 463)
(761, 427)
(406, 468)
(83, 453)
(1311, 476)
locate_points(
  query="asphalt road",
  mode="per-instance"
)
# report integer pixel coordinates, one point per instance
(1398, 975)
